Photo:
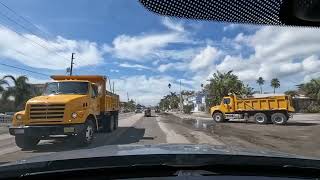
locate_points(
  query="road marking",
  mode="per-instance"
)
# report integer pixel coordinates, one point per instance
(171, 136)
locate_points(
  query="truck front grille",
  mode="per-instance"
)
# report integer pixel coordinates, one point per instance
(46, 111)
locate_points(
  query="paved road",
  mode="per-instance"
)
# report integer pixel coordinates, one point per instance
(133, 129)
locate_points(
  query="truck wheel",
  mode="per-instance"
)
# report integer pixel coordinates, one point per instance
(279, 118)
(107, 124)
(116, 120)
(86, 136)
(218, 117)
(260, 118)
(26, 142)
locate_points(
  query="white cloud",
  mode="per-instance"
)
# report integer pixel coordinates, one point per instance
(278, 52)
(135, 66)
(143, 47)
(230, 27)
(151, 46)
(114, 70)
(146, 90)
(173, 66)
(176, 26)
(205, 58)
(51, 54)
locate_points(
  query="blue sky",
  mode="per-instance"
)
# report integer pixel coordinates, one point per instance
(142, 52)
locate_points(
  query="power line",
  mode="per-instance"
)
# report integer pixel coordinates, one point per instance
(30, 31)
(25, 19)
(39, 44)
(15, 67)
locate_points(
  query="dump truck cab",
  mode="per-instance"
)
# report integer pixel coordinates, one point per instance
(275, 109)
(71, 106)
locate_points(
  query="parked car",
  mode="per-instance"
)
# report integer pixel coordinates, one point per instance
(147, 112)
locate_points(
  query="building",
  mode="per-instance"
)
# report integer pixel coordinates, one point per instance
(197, 100)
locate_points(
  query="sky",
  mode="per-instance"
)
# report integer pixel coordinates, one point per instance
(142, 52)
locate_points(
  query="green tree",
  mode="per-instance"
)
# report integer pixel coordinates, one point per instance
(311, 89)
(185, 92)
(21, 91)
(275, 83)
(260, 82)
(291, 93)
(131, 105)
(221, 84)
(3, 82)
(169, 101)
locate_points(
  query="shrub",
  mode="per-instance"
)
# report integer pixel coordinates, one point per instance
(187, 109)
(313, 109)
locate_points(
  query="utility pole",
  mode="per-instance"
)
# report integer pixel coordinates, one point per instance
(128, 96)
(181, 105)
(71, 65)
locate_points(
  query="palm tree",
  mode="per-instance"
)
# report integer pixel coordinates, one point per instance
(275, 83)
(21, 91)
(260, 81)
(311, 89)
(3, 82)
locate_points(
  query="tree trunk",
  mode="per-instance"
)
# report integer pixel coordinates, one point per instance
(274, 90)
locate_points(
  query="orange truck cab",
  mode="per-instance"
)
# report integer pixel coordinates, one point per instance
(76, 106)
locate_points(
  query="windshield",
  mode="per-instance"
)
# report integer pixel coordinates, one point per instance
(66, 88)
(148, 79)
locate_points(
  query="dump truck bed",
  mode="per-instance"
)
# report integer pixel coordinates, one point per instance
(262, 104)
(112, 102)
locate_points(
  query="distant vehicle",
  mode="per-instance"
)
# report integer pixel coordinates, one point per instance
(138, 110)
(76, 106)
(157, 110)
(275, 109)
(147, 112)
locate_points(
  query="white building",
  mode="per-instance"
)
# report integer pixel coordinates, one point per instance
(198, 101)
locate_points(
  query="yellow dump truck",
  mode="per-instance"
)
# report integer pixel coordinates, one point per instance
(275, 109)
(71, 106)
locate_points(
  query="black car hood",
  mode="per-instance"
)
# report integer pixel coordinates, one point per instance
(163, 155)
(161, 149)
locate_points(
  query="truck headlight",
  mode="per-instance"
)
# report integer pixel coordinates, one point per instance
(19, 117)
(74, 115)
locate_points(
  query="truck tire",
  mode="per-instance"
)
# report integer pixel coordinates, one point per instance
(218, 117)
(26, 142)
(279, 118)
(260, 118)
(86, 137)
(116, 120)
(107, 124)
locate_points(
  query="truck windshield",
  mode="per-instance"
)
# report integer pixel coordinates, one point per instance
(66, 88)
